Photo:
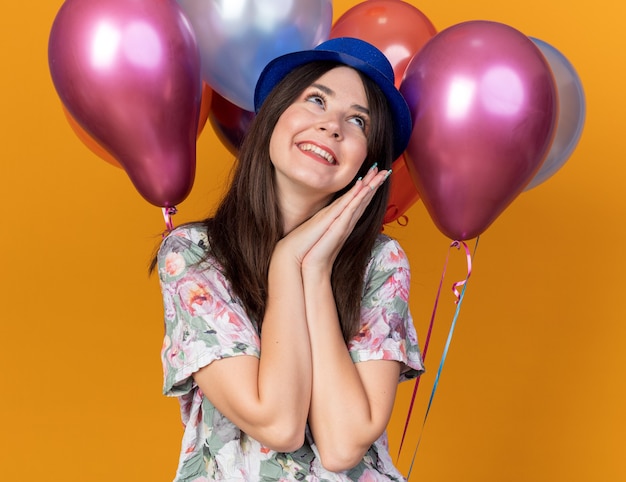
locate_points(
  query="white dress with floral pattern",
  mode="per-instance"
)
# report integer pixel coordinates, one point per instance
(204, 322)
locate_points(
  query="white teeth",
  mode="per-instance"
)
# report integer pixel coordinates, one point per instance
(319, 151)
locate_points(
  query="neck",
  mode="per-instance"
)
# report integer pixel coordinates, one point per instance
(296, 208)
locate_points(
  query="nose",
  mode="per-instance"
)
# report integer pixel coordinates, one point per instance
(331, 126)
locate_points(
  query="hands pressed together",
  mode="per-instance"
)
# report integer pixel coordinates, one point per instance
(318, 240)
(305, 373)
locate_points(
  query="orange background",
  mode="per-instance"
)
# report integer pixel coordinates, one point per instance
(533, 388)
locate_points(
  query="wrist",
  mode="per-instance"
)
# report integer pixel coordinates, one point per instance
(316, 273)
(284, 254)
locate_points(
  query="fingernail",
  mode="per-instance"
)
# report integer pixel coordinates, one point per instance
(388, 174)
(373, 166)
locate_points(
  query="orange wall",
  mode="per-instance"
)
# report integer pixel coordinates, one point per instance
(533, 388)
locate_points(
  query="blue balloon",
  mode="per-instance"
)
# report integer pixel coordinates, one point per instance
(237, 39)
(571, 117)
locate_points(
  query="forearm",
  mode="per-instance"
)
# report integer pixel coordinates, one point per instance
(268, 397)
(285, 370)
(343, 421)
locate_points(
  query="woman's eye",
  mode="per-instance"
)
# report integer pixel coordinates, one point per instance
(316, 99)
(359, 121)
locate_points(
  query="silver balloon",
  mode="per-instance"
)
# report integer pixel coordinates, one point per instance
(237, 38)
(571, 118)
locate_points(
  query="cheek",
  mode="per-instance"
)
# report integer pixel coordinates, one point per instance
(360, 152)
(273, 143)
(278, 137)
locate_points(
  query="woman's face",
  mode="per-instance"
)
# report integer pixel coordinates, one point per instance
(320, 141)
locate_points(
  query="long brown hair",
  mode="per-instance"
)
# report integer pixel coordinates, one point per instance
(248, 223)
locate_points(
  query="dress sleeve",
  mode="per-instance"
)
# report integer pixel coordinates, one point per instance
(387, 331)
(203, 320)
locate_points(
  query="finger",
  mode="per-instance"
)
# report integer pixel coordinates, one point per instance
(353, 210)
(341, 203)
(343, 214)
(347, 217)
(364, 197)
(323, 219)
(376, 180)
(369, 175)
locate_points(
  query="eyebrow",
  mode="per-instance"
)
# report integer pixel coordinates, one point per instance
(328, 91)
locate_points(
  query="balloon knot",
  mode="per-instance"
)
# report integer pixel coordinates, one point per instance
(168, 212)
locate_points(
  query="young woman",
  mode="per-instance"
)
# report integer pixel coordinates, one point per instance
(286, 313)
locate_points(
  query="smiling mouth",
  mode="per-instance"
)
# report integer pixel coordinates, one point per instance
(327, 156)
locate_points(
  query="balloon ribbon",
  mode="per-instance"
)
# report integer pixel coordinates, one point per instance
(458, 301)
(167, 216)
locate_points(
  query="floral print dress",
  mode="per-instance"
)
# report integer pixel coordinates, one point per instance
(204, 322)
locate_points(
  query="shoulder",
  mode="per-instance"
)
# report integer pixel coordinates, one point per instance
(184, 246)
(387, 254)
(188, 237)
(388, 261)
